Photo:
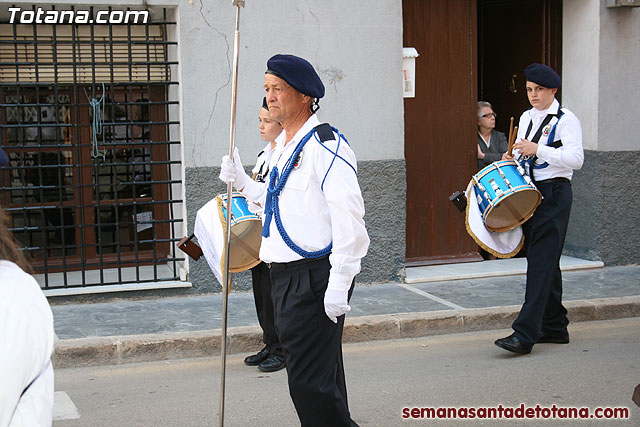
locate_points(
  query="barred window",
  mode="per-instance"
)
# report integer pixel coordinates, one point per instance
(89, 122)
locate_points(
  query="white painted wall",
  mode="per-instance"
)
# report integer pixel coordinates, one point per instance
(356, 47)
(580, 65)
(600, 59)
(619, 125)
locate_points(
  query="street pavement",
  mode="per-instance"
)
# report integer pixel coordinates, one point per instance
(599, 368)
(484, 295)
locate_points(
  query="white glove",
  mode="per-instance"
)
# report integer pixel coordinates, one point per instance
(227, 170)
(335, 304)
(232, 171)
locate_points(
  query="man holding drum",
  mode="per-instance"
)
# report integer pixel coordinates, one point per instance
(549, 147)
(313, 238)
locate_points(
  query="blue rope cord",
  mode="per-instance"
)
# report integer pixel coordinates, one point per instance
(272, 208)
(96, 127)
(335, 154)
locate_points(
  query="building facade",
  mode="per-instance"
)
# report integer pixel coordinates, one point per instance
(115, 132)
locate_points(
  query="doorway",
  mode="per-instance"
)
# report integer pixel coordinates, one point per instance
(469, 51)
(512, 35)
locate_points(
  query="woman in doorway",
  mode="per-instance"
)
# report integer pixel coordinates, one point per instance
(491, 143)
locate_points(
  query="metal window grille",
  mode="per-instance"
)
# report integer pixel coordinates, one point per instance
(88, 118)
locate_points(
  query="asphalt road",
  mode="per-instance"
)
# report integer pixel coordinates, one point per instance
(599, 368)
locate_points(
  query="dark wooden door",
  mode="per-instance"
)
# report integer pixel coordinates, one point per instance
(511, 35)
(440, 126)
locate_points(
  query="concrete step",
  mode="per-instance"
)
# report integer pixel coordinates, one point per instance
(482, 269)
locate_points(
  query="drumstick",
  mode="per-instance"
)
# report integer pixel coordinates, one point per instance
(512, 140)
(510, 131)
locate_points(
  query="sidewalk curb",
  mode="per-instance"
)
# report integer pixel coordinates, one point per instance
(174, 345)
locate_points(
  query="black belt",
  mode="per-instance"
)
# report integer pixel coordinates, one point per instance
(550, 180)
(286, 265)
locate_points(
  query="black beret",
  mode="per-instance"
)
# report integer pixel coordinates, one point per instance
(298, 72)
(542, 75)
(3, 157)
(264, 103)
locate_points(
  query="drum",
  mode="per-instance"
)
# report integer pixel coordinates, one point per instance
(505, 195)
(246, 229)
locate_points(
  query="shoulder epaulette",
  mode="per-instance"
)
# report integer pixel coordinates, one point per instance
(325, 133)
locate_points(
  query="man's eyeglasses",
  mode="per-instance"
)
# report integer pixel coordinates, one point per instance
(486, 116)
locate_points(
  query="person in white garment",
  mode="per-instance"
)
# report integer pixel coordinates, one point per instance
(313, 238)
(271, 357)
(549, 148)
(26, 341)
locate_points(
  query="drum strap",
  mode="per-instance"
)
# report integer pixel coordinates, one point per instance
(264, 169)
(277, 182)
(531, 161)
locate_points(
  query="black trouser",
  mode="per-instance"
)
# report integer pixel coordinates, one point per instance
(542, 310)
(312, 343)
(264, 307)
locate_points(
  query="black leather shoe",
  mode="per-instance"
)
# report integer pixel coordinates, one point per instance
(513, 344)
(551, 338)
(272, 363)
(257, 358)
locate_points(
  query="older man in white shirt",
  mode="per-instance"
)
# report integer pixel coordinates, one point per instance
(313, 238)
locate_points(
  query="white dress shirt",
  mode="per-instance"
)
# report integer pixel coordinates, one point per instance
(260, 172)
(26, 346)
(563, 160)
(313, 216)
